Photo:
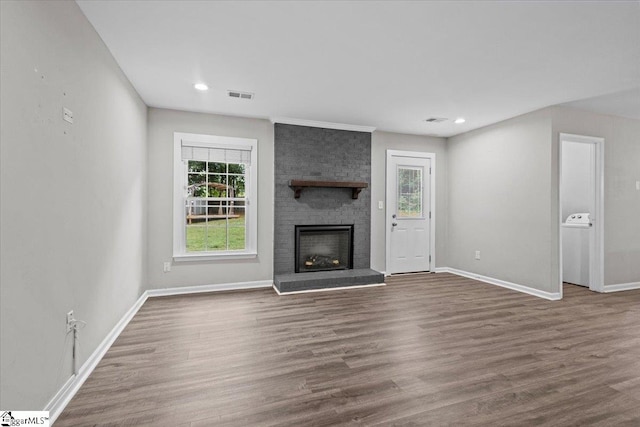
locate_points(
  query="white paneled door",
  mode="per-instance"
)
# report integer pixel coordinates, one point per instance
(408, 213)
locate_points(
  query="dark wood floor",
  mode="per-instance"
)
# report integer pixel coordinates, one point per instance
(424, 350)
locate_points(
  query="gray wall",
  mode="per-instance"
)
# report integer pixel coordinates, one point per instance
(622, 200)
(381, 142)
(72, 196)
(310, 153)
(162, 124)
(500, 201)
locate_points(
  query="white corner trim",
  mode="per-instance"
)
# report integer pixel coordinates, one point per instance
(341, 288)
(209, 288)
(553, 296)
(316, 124)
(622, 287)
(73, 384)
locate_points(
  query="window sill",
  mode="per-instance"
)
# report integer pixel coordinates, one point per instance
(214, 257)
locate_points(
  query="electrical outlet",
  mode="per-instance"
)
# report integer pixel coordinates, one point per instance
(638, 185)
(167, 267)
(67, 115)
(380, 204)
(477, 254)
(70, 320)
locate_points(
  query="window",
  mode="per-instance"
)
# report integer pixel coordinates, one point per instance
(409, 192)
(215, 180)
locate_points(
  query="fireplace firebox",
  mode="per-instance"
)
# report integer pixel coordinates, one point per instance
(323, 247)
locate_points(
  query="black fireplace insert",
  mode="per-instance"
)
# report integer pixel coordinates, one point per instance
(323, 247)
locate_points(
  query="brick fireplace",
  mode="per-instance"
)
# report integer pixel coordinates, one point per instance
(321, 180)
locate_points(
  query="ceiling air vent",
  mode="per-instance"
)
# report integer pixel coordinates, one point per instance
(435, 120)
(240, 95)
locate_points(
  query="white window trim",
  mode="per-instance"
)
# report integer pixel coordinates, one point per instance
(179, 189)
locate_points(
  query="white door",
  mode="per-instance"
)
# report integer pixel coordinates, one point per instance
(408, 214)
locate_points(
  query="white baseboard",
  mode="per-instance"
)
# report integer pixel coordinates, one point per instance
(62, 398)
(341, 288)
(622, 287)
(210, 288)
(441, 270)
(73, 384)
(553, 296)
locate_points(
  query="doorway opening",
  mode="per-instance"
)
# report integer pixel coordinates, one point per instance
(581, 180)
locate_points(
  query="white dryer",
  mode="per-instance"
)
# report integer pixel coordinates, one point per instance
(576, 231)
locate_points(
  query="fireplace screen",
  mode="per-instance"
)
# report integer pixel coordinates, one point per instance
(324, 247)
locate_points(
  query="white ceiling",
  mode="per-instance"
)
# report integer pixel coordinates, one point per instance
(384, 64)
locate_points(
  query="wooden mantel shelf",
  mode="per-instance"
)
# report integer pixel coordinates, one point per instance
(298, 184)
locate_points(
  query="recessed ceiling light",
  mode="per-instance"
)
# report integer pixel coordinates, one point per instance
(201, 86)
(459, 120)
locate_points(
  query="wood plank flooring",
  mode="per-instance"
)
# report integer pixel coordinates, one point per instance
(432, 350)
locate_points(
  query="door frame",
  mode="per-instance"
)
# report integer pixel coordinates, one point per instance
(432, 204)
(596, 247)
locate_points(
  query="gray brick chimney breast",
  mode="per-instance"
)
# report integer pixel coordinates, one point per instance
(310, 153)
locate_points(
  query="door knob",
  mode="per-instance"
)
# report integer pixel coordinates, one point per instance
(393, 224)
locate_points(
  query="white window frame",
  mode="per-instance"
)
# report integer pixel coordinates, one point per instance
(180, 188)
